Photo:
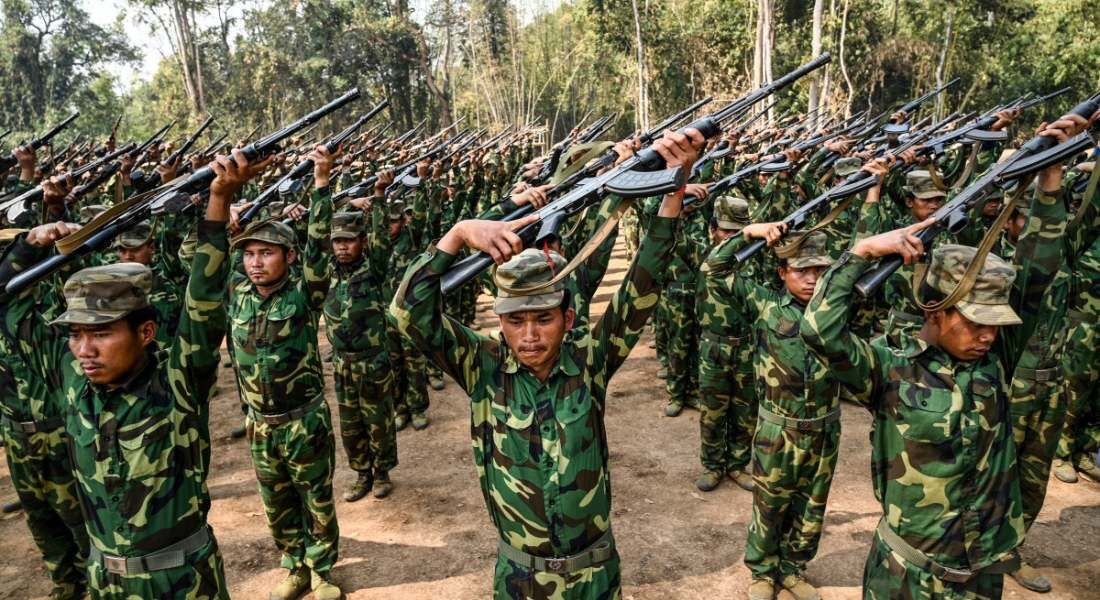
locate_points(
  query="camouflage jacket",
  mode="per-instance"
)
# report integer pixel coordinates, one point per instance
(716, 308)
(540, 447)
(167, 300)
(355, 309)
(943, 460)
(275, 338)
(140, 450)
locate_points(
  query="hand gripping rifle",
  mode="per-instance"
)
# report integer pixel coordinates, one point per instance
(9, 161)
(171, 197)
(643, 174)
(14, 207)
(306, 165)
(154, 177)
(1037, 154)
(909, 107)
(978, 130)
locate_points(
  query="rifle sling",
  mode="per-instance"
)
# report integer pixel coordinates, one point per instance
(966, 283)
(74, 240)
(582, 255)
(790, 247)
(971, 163)
(934, 175)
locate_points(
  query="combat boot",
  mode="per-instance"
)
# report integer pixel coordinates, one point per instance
(662, 373)
(674, 407)
(360, 488)
(419, 421)
(1028, 577)
(400, 422)
(743, 479)
(323, 589)
(1087, 467)
(800, 588)
(1064, 471)
(295, 584)
(435, 382)
(761, 589)
(67, 591)
(382, 485)
(708, 481)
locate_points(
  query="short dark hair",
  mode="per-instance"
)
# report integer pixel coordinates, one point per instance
(566, 302)
(137, 318)
(929, 294)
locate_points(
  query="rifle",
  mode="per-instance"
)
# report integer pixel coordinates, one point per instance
(252, 133)
(24, 200)
(1038, 153)
(303, 167)
(99, 178)
(978, 130)
(641, 175)
(366, 185)
(7, 162)
(154, 177)
(213, 145)
(5, 134)
(171, 197)
(916, 103)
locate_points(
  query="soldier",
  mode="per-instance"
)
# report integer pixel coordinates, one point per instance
(355, 323)
(138, 415)
(410, 365)
(537, 395)
(943, 459)
(274, 316)
(138, 245)
(727, 395)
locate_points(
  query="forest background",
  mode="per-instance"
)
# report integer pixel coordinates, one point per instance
(495, 62)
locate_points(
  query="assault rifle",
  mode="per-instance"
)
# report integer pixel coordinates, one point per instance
(171, 197)
(1037, 154)
(5, 134)
(154, 177)
(14, 207)
(9, 161)
(644, 174)
(915, 104)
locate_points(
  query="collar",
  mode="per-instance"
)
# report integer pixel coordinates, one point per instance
(788, 298)
(135, 385)
(275, 292)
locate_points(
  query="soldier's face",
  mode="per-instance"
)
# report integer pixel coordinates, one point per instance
(536, 335)
(110, 353)
(1015, 226)
(800, 282)
(266, 264)
(395, 227)
(991, 208)
(922, 208)
(142, 254)
(347, 250)
(960, 337)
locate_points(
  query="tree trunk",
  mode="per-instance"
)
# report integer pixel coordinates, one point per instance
(815, 50)
(765, 39)
(643, 93)
(843, 66)
(943, 62)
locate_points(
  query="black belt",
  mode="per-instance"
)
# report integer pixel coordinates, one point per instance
(31, 427)
(288, 416)
(732, 340)
(600, 551)
(169, 557)
(921, 560)
(815, 424)
(1038, 374)
(354, 356)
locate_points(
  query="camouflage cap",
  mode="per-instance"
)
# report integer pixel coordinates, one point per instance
(846, 166)
(89, 212)
(919, 183)
(275, 209)
(988, 301)
(813, 251)
(99, 295)
(271, 231)
(731, 212)
(136, 236)
(347, 225)
(395, 210)
(528, 268)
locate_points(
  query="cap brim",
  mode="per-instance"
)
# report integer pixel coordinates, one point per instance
(513, 304)
(809, 261)
(931, 194)
(343, 235)
(238, 242)
(730, 225)
(988, 314)
(87, 317)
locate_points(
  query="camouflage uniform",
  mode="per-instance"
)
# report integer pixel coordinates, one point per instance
(798, 418)
(280, 380)
(943, 462)
(355, 323)
(165, 295)
(727, 396)
(540, 447)
(409, 364)
(137, 449)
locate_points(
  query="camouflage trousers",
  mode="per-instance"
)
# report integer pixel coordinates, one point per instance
(410, 368)
(43, 479)
(887, 576)
(202, 577)
(792, 472)
(631, 231)
(727, 403)
(1081, 432)
(294, 463)
(1037, 408)
(598, 582)
(681, 343)
(364, 396)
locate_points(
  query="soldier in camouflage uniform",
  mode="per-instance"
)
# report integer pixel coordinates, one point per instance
(355, 323)
(139, 245)
(409, 364)
(537, 396)
(943, 459)
(273, 317)
(727, 413)
(138, 414)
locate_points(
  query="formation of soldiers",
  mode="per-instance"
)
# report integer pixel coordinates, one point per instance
(978, 362)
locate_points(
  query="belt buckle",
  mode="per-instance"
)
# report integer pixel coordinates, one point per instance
(806, 425)
(28, 427)
(273, 420)
(555, 565)
(956, 575)
(115, 564)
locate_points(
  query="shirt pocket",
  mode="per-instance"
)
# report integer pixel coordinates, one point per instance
(924, 413)
(515, 436)
(146, 447)
(578, 427)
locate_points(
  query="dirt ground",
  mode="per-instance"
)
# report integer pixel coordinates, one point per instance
(432, 538)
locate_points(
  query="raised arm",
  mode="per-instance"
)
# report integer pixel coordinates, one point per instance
(316, 266)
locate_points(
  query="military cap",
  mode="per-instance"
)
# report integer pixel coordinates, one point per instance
(812, 251)
(731, 212)
(847, 165)
(270, 231)
(395, 210)
(919, 183)
(988, 301)
(347, 225)
(136, 236)
(99, 295)
(89, 212)
(528, 268)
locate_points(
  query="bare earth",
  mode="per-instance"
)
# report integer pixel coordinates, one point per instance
(432, 538)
